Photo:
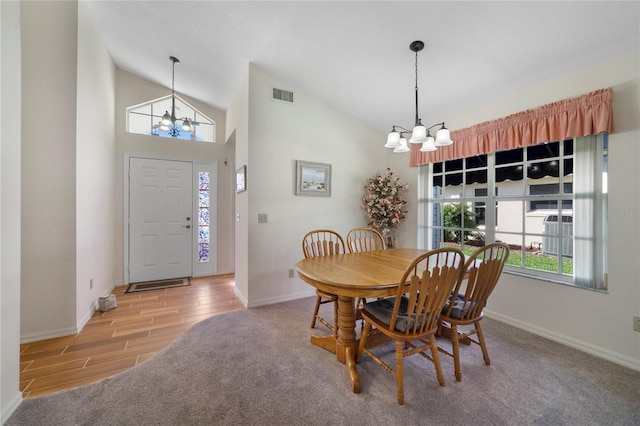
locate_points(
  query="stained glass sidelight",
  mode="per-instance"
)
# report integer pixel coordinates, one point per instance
(203, 216)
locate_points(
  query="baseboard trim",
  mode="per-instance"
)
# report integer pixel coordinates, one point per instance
(10, 408)
(240, 296)
(580, 345)
(35, 337)
(94, 307)
(85, 319)
(281, 299)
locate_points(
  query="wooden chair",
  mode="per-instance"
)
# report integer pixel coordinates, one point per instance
(323, 242)
(411, 317)
(364, 239)
(465, 307)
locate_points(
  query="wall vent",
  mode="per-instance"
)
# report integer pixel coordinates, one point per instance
(281, 95)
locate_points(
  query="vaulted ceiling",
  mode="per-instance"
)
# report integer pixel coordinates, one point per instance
(355, 54)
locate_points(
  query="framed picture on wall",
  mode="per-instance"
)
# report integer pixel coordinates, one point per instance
(241, 179)
(313, 179)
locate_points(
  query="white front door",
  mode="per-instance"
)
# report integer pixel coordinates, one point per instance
(160, 219)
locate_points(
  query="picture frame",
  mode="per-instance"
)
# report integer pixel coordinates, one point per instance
(241, 179)
(313, 179)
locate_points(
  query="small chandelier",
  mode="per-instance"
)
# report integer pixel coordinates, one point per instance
(420, 133)
(168, 121)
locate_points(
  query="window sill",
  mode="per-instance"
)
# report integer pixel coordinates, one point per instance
(551, 280)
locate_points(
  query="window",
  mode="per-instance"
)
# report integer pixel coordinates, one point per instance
(143, 119)
(549, 189)
(479, 206)
(204, 210)
(205, 199)
(535, 191)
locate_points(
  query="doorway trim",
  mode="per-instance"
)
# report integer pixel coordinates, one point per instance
(198, 165)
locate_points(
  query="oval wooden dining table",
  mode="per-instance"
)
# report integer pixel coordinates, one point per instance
(368, 275)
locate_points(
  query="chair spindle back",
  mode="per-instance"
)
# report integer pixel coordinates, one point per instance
(322, 242)
(364, 239)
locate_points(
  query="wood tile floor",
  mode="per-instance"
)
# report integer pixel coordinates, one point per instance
(143, 324)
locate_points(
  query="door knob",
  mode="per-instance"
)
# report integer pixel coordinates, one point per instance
(186, 226)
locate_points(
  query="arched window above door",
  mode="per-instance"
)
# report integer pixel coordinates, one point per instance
(144, 118)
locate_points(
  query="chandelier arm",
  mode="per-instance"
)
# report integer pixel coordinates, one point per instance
(403, 130)
(437, 124)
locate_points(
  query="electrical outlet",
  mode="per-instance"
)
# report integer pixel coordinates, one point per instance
(290, 273)
(262, 218)
(91, 284)
(636, 323)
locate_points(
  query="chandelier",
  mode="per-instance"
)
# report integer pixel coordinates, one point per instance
(168, 121)
(420, 133)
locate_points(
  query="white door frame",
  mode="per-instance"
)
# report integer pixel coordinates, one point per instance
(198, 165)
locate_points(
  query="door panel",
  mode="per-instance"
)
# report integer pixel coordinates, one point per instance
(160, 222)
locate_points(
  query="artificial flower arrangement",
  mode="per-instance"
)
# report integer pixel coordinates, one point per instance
(384, 203)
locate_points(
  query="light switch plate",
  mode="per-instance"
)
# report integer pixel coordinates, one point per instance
(262, 218)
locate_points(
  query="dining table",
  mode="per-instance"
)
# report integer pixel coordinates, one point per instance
(366, 275)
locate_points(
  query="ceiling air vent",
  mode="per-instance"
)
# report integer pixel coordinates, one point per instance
(281, 95)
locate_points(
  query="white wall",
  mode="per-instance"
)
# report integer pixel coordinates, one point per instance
(237, 132)
(132, 90)
(279, 134)
(49, 105)
(10, 396)
(597, 322)
(95, 155)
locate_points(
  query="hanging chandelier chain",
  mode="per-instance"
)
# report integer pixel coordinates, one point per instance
(416, 71)
(173, 92)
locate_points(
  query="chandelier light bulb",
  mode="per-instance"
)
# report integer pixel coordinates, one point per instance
(393, 140)
(419, 134)
(429, 144)
(166, 119)
(443, 137)
(402, 147)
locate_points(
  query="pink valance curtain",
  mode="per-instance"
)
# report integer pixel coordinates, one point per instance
(588, 114)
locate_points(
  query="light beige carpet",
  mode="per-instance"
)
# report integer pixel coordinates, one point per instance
(257, 367)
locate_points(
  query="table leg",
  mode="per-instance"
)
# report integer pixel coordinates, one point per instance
(346, 344)
(327, 342)
(352, 370)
